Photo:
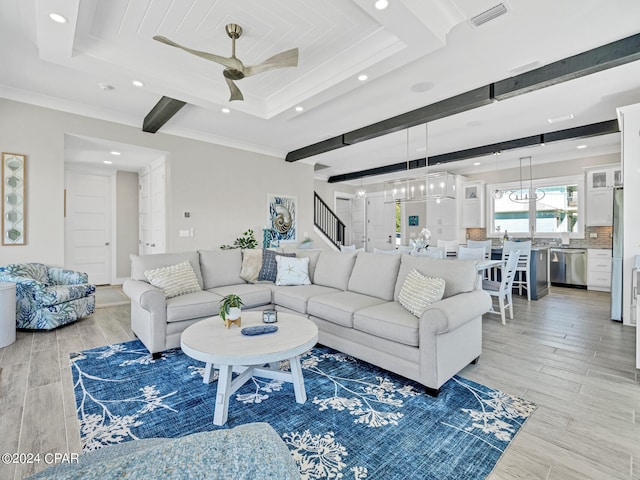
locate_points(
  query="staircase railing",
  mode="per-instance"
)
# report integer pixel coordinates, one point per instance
(327, 221)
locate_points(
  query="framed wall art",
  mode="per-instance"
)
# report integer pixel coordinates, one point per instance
(282, 217)
(13, 199)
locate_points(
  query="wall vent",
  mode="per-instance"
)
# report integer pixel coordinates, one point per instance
(488, 15)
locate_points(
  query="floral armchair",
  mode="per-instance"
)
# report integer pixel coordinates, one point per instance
(48, 297)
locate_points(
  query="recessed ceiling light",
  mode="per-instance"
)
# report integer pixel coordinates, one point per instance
(475, 164)
(108, 162)
(581, 146)
(299, 108)
(381, 4)
(137, 83)
(362, 77)
(105, 86)
(562, 118)
(114, 152)
(56, 17)
(225, 110)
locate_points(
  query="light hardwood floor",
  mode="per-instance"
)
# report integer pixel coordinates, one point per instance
(561, 352)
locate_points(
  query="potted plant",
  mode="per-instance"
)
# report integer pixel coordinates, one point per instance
(229, 309)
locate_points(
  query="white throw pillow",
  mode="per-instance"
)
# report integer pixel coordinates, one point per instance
(419, 291)
(386, 252)
(174, 280)
(347, 248)
(292, 271)
(251, 265)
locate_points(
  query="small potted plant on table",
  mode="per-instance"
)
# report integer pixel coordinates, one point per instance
(229, 309)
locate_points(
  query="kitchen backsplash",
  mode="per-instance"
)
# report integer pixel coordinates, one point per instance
(603, 239)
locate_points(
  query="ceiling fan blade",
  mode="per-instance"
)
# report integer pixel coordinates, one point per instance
(288, 58)
(236, 94)
(227, 62)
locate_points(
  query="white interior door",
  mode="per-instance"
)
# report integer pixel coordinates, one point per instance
(158, 209)
(144, 212)
(358, 221)
(152, 209)
(381, 223)
(88, 225)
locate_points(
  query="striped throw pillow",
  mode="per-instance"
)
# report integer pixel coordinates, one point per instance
(174, 280)
(419, 291)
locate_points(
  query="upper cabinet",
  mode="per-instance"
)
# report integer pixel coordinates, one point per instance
(600, 184)
(473, 208)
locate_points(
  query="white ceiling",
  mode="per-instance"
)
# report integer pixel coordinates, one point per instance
(415, 53)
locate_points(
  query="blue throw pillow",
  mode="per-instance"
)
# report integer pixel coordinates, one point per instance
(269, 270)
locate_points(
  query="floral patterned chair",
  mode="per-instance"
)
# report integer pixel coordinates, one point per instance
(48, 297)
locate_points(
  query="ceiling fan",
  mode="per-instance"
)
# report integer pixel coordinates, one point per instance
(235, 69)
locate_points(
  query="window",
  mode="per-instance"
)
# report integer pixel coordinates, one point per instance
(558, 209)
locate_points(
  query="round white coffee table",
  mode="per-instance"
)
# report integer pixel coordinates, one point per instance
(230, 351)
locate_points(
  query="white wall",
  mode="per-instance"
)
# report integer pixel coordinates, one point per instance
(225, 189)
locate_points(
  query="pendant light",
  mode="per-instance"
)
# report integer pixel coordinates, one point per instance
(526, 195)
(361, 192)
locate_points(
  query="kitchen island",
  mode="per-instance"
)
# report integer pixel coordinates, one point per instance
(538, 269)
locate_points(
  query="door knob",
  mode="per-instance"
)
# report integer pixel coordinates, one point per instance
(153, 244)
(107, 244)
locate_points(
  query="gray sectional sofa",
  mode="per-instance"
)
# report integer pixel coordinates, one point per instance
(353, 299)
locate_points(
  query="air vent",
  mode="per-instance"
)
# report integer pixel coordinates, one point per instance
(488, 15)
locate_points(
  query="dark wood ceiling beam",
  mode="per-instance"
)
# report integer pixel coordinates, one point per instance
(584, 131)
(592, 61)
(601, 58)
(450, 106)
(445, 108)
(160, 114)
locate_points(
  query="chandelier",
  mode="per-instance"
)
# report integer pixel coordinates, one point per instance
(431, 186)
(526, 195)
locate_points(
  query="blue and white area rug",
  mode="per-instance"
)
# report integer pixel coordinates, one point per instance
(359, 422)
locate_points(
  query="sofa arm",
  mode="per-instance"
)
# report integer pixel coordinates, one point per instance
(450, 313)
(62, 276)
(26, 287)
(146, 295)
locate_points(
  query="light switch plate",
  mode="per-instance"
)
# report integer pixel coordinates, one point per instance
(593, 235)
(183, 233)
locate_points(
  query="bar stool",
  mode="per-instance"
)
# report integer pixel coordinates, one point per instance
(486, 244)
(522, 267)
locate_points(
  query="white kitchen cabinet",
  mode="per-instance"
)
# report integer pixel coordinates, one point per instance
(600, 184)
(473, 195)
(599, 269)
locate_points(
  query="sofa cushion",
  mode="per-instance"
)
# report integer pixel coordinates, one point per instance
(339, 307)
(334, 269)
(251, 265)
(142, 263)
(382, 268)
(174, 280)
(192, 305)
(220, 267)
(459, 275)
(269, 269)
(296, 298)
(292, 271)
(388, 320)
(252, 295)
(419, 291)
(312, 253)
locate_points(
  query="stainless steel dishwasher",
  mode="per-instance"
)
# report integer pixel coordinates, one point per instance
(568, 267)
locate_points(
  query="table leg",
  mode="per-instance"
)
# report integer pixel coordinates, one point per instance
(222, 395)
(297, 379)
(209, 370)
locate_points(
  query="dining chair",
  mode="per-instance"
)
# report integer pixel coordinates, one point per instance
(450, 247)
(468, 253)
(502, 289)
(523, 278)
(486, 244)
